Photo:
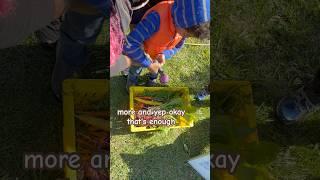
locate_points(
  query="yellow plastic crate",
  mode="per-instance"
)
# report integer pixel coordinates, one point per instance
(245, 115)
(183, 123)
(78, 95)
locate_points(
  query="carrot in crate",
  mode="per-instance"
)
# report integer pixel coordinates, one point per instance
(87, 172)
(91, 140)
(148, 102)
(145, 97)
(94, 121)
(138, 106)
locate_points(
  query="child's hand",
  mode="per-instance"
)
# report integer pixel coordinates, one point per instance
(154, 67)
(161, 59)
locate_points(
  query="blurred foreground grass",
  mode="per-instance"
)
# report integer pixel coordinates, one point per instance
(274, 45)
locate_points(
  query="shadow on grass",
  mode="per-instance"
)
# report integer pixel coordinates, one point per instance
(169, 161)
(304, 133)
(30, 116)
(197, 80)
(119, 100)
(268, 94)
(198, 104)
(98, 67)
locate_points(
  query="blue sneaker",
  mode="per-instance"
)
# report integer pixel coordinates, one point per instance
(201, 95)
(152, 79)
(151, 83)
(297, 107)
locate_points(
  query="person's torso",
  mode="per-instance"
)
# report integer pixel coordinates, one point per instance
(166, 37)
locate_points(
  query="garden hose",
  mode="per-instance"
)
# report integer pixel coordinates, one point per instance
(197, 44)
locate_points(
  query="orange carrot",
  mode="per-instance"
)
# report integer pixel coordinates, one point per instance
(145, 97)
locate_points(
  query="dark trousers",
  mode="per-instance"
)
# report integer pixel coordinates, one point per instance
(77, 32)
(135, 71)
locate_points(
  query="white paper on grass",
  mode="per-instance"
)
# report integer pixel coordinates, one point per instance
(202, 165)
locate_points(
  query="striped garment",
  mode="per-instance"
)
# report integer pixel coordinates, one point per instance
(185, 14)
(133, 47)
(188, 13)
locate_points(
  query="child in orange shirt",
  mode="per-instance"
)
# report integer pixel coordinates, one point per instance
(161, 34)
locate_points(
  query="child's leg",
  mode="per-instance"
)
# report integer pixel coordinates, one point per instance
(152, 79)
(134, 73)
(153, 76)
(77, 32)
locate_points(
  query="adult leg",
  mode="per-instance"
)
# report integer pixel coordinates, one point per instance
(77, 31)
(134, 73)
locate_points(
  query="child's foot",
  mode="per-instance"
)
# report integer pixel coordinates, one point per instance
(164, 79)
(296, 107)
(152, 79)
(151, 83)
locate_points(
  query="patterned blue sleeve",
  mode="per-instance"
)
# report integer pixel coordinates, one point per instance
(134, 43)
(170, 52)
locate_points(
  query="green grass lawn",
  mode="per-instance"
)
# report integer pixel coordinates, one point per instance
(162, 154)
(30, 116)
(274, 45)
